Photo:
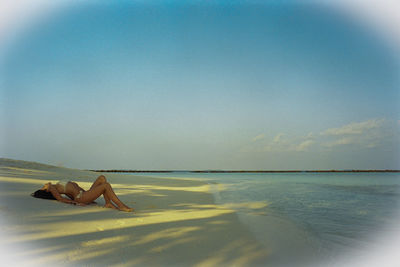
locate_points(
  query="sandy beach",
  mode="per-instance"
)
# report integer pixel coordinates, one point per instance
(175, 222)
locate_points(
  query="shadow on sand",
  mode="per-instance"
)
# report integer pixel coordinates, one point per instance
(176, 223)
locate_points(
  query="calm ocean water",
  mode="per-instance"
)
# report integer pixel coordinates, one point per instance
(329, 213)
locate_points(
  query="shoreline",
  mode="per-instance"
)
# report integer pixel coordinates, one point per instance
(273, 232)
(178, 221)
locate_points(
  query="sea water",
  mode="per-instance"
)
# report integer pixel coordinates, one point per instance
(319, 216)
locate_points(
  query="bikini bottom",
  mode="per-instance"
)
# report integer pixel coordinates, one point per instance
(79, 195)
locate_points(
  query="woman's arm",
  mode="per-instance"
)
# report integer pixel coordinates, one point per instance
(57, 196)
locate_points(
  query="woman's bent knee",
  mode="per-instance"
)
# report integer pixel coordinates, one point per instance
(102, 179)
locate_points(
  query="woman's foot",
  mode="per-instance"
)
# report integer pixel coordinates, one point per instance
(125, 208)
(110, 205)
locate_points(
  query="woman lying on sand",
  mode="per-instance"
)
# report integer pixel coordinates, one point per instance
(79, 196)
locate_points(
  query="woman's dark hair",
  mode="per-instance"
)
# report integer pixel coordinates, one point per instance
(43, 194)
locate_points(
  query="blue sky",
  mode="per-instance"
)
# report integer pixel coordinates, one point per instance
(201, 86)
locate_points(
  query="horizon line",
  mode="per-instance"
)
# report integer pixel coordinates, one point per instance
(247, 171)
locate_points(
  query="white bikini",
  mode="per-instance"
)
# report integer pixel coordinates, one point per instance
(79, 195)
(64, 184)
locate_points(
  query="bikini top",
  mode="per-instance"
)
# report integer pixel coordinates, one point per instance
(63, 184)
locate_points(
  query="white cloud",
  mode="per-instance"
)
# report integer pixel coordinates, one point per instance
(278, 138)
(341, 141)
(355, 128)
(366, 134)
(310, 135)
(284, 143)
(371, 133)
(259, 137)
(303, 146)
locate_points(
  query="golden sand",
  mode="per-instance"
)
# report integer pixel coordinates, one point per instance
(176, 223)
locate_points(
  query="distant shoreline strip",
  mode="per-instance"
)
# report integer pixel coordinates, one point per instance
(242, 171)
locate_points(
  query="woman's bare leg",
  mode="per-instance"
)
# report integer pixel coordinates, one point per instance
(105, 190)
(102, 180)
(112, 196)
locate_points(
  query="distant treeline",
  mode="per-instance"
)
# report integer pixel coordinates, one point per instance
(243, 171)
